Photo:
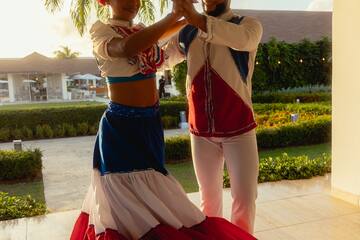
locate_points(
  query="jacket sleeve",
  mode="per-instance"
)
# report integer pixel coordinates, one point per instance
(245, 36)
(101, 34)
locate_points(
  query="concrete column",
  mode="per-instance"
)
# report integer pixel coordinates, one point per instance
(64, 86)
(346, 101)
(11, 87)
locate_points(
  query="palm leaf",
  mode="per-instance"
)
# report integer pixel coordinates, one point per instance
(81, 9)
(164, 4)
(79, 12)
(54, 5)
(147, 11)
(102, 12)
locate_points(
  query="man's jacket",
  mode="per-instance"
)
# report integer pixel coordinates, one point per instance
(220, 68)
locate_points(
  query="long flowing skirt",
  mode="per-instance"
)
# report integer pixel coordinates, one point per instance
(132, 195)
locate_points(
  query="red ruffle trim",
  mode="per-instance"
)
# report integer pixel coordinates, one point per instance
(212, 228)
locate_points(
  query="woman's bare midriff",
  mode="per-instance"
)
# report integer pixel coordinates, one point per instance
(141, 93)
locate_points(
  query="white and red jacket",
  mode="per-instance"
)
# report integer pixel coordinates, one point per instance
(220, 68)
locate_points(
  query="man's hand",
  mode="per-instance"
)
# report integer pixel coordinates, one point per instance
(186, 7)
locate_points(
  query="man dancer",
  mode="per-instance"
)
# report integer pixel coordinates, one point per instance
(220, 48)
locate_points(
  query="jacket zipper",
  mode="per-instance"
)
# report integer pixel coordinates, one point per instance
(210, 106)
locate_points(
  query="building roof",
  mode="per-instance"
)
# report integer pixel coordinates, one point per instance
(289, 26)
(36, 62)
(292, 26)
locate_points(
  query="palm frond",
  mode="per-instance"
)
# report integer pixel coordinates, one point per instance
(80, 11)
(164, 4)
(147, 11)
(102, 12)
(53, 5)
(65, 53)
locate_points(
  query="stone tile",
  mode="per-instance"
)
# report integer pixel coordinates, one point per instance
(304, 209)
(339, 228)
(286, 189)
(55, 226)
(13, 229)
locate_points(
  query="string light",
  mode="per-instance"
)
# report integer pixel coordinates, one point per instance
(323, 59)
(257, 63)
(301, 61)
(279, 62)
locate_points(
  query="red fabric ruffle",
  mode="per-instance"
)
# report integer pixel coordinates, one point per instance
(212, 228)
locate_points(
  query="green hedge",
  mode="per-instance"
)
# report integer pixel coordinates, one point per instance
(13, 119)
(289, 168)
(276, 97)
(68, 121)
(323, 108)
(172, 108)
(83, 120)
(295, 134)
(20, 165)
(291, 97)
(177, 149)
(16, 119)
(12, 207)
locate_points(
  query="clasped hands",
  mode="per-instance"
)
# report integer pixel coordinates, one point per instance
(186, 9)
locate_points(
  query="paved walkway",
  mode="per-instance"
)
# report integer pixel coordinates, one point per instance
(67, 165)
(287, 210)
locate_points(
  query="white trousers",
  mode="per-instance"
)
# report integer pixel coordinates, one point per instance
(240, 154)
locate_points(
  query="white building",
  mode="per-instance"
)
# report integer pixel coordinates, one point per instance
(39, 78)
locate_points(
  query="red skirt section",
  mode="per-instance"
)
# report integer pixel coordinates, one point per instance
(212, 228)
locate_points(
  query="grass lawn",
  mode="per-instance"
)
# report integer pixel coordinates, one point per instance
(184, 172)
(47, 105)
(35, 189)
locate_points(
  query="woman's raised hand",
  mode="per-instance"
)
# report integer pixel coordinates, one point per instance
(178, 9)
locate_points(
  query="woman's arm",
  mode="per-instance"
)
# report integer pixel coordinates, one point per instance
(176, 27)
(142, 40)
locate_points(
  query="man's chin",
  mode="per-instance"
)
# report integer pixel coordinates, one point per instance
(217, 10)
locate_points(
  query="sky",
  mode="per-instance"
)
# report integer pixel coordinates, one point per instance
(26, 26)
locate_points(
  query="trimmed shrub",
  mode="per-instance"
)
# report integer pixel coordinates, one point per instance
(294, 134)
(174, 99)
(18, 165)
(48, 132)
(93, 129)
(12, 207)
(39, 132)
(4, 134)
(27, 133)
(268, 115)
(82, 128)
(172, 108)
(291, 97)
(70, 131)
(177, 148)
(289, 168)
(316, 108)
(170, 122)
(17, 134)
(51, 116)
(59, 131)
